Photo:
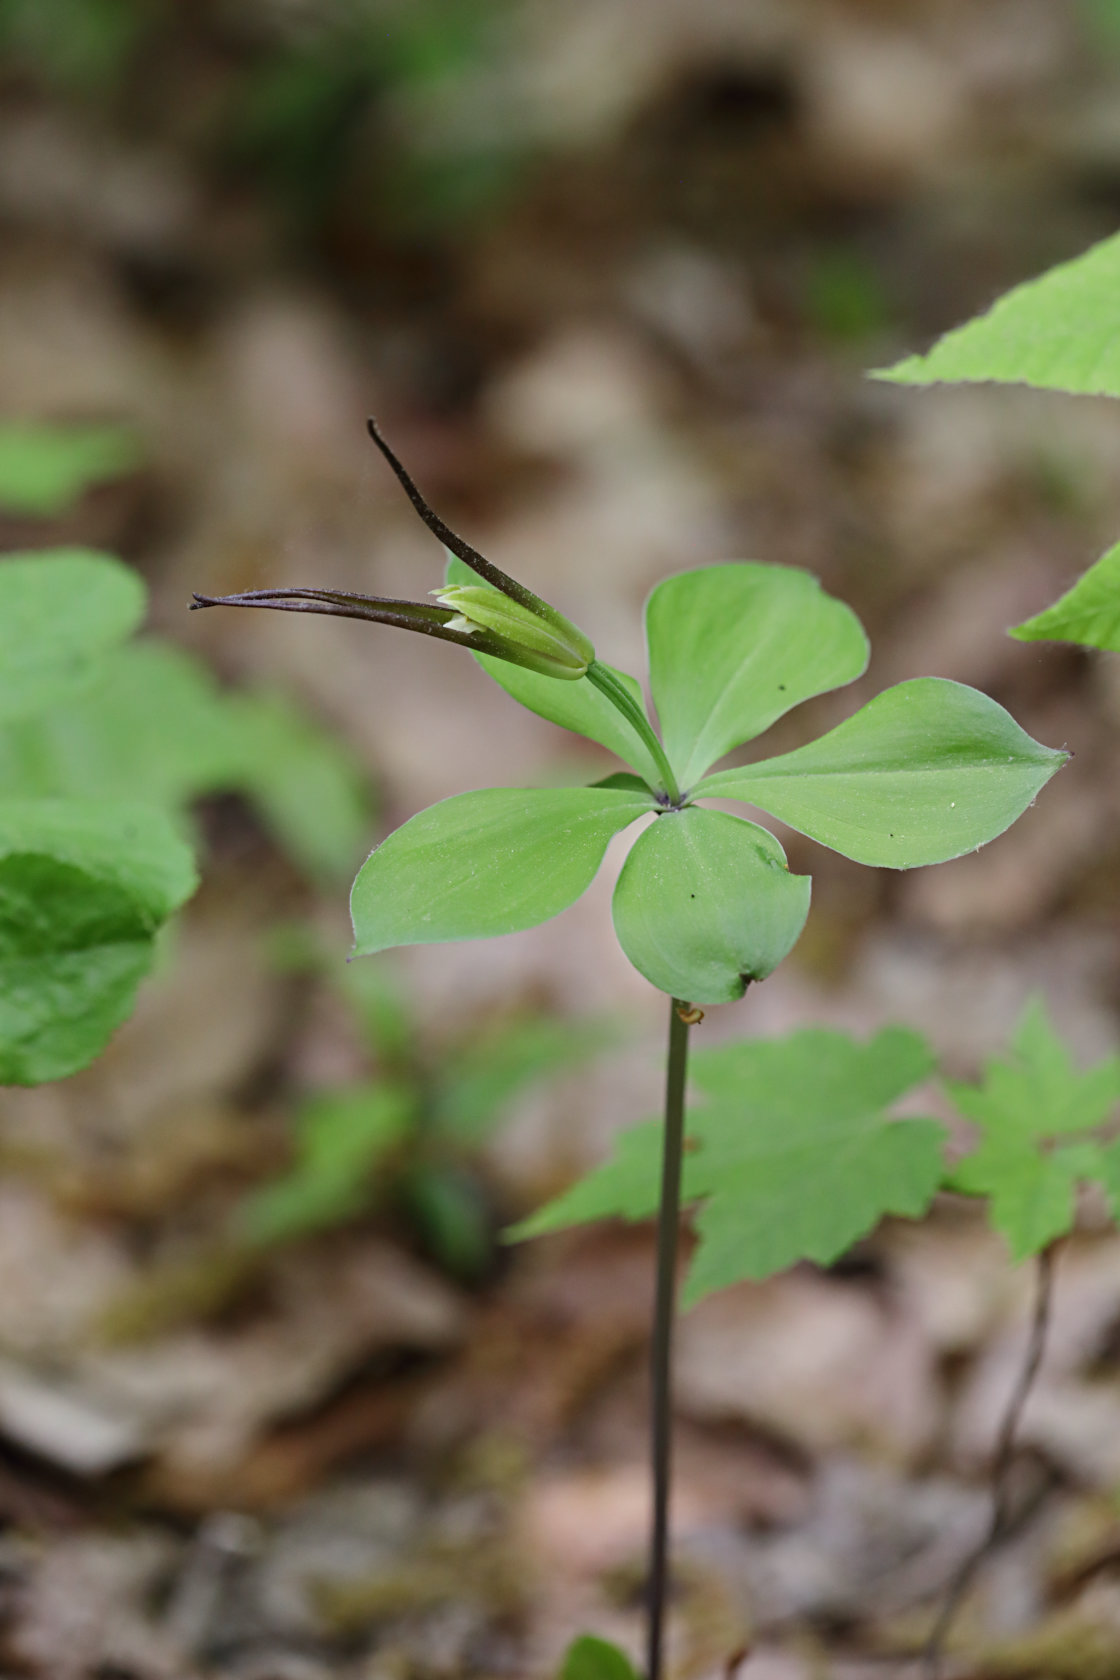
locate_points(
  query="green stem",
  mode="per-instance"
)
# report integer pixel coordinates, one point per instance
(668, 1227)
(607, 683)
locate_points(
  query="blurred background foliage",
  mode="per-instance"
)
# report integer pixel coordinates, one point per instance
(609, 272)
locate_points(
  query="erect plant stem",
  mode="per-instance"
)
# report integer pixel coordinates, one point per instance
(1006, 1447)
(607, 683)
(668, 1229)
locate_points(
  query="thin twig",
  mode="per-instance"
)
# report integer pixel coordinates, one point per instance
(1006, 1446)
(681, 1017)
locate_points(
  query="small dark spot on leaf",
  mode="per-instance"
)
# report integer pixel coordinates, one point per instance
(692, 895)
(781, 688)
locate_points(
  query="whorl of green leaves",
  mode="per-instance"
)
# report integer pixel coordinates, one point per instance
(705, 902)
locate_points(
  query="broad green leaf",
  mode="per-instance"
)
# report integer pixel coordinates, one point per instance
(483, 1077)
(624, 1187)
(793, 1156)
(705, 903)
(153, 726)
(1060, 331)
(486, 863)
(60, 612)
(1088, 613)
(309, 787)
(83, 889)
(132, 846)
(798, 1154)
(578, 706)
(733, 647)
(589, 1658)
(1024, 1105)
(342, 1136)
(924, 772)
(45, 469)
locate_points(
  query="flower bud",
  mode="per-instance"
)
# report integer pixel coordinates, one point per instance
(551, 645)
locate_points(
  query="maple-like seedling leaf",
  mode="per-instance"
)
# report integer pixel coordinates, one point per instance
(792, 1156)
(1088, 613)
(1059, 332)
(1037, 1117)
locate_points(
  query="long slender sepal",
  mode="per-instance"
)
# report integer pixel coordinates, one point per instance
(450, 539)
(425, 617)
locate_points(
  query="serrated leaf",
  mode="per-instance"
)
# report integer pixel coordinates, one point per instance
(1089, 613)
(83, 889)
(926, 771)
(45, 469)
(705, 903)
(1024, 1105)
(624, 1187)
(486, 863)
(589, 1658)
(60, 613)
(793, 1156)
(578, 706)
(734, 647)
(1060, 332)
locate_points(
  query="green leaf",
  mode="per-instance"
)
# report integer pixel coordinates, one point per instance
(45, 469)
(793, 1156)
(60, 612)
(1024, 1105)
(83, 889)
(342, 1136)
(1088, 613)
(705, 903)
(154, 726)
(131, 845)
(924, 772)
(733, 647)
(588, 1658)
(486, 863)
(309, 786)
(483, 1077)
(1060, 332)
(578, 706)
(450, 1211)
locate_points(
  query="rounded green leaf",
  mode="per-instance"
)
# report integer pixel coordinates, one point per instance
(83, 889)
(73, 949)
(924, 772)
(486, 863)
(589, 1658)
(59, 613)
(134, 846)
(705, 903)
(733, 647)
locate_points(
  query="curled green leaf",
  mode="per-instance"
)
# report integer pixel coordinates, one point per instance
(705, 904)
